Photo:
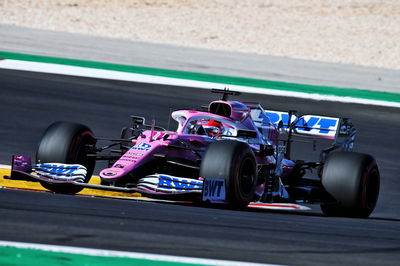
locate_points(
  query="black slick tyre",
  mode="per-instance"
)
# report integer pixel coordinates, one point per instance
(233, 161)
(351, 181)
(66, 142)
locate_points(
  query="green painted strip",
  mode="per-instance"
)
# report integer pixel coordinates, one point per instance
(257, 83)
(20, 256)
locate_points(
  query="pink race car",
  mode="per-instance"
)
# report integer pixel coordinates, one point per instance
(232, 153)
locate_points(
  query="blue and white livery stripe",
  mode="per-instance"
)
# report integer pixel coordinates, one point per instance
(60, 171)
(170, 184)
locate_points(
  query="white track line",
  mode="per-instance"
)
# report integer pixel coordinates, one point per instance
(123, 76)
(123, 254)
(4, 166)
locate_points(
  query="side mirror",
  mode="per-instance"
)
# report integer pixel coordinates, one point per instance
(246, 133)
(137, 121)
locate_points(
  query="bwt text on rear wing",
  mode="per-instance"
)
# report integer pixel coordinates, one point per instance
(312, 125)
(341, 130)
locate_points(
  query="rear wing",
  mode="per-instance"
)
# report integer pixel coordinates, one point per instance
(311, 125)
(341, 130)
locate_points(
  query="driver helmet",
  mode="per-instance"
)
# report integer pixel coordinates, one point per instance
(211, 127)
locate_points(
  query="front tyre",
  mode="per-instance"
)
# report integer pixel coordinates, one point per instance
(233, 161)
(66, 142)
(351, 181)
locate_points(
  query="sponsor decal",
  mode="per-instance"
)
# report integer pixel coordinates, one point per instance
(64, 172)
(134, 153)
(307, 124)
(142, 147)
(179, 184)
(130, 157)
(127, 160)
(21, 163)
(60, 169)
(214, 189)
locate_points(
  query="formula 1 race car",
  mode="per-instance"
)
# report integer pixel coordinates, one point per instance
(231, 153)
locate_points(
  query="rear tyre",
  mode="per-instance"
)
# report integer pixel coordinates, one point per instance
(351, 181)
(66, 142)
(234, 162)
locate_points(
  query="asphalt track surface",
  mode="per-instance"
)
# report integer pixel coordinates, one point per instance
(31, 101)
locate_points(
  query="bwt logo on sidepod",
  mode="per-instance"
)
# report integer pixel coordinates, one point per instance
(142, 147)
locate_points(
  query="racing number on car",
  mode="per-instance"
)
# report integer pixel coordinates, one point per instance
(142, 147)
